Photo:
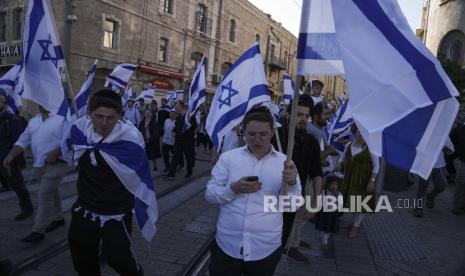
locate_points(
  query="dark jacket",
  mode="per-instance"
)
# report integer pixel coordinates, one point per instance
(163, 114)
(10, 130)
(186, 135)
(152, 145)
(457, 136)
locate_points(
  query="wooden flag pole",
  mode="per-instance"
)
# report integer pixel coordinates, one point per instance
(276, 134)
(69, 92)
(292, 124)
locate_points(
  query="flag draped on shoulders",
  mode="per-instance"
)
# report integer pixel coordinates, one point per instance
(401, 98)
(124, 152)
(243, 86)
(42, 61)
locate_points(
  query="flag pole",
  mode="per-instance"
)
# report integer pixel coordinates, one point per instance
(292, 124)
(69, 92)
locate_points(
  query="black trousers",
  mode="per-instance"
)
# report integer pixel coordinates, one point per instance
(187, 149)
(84, 243)
(222, 264)
(167, 151)
(15, 180)
(288, 221)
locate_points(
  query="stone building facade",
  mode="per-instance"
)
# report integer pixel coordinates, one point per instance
(165, 37)
(443, 29)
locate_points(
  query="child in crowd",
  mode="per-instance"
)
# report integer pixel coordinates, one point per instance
(327, 219)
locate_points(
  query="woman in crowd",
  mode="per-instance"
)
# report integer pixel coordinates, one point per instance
(151, 133)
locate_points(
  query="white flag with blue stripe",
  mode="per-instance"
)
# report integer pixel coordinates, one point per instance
(341, 121)
(197, 92)
(243, 86)
(11, 85)
(80, 100)
(174, 96)
(289, 87)
(401, 98)
(147, 94)
(42, 61)
(127, 94)
(119, 78)
(123, 150)
(317, 49)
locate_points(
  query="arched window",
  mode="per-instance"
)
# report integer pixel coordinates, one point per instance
(453, 47)
(232, 30)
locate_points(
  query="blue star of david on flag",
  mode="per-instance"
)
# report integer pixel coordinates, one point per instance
(231, 93)
(44, 44)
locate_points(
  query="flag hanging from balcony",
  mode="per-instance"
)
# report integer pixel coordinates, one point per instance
(401, 99)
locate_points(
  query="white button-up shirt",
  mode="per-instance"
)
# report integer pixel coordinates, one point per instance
(168, 134)
(133, 116)
(244, 230)
(43, 137)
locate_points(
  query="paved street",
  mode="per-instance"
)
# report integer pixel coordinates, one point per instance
(389, 244)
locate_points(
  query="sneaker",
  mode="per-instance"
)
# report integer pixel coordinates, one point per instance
(353, 232)
(305, 245)
(418, 212)
(54, 225)
(168, 177)
(294, 255)
(33, 237)
(23, 215)
(429, 201)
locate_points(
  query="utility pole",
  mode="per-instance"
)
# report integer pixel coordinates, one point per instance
(69, 19)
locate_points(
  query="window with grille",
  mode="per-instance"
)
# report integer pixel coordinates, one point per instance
(453, 47)
(167, 6)
(163, 49)
(201, 22)
(17, 24)
(2, 26)
(232, 30)
(110, 34)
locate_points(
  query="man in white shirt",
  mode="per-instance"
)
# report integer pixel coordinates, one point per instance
(43, 134)
(248, 239)
(168, 138)
(132, 114)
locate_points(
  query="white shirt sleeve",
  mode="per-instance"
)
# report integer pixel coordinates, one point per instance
(218, 190)
(375, 162)
(24, 139)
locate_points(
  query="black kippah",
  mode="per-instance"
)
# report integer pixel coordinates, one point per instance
(111, 95)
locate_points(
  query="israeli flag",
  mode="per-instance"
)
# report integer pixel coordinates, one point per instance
(11, 86)
(42, 61)
(174, 96)
(289, 87)
(317, 48)
(341, 121)
(197, 92)
(127, 94)
(124, 152)
(80, 100)
(146, 94)
(401, 99)
(243, 86)
(119, 78)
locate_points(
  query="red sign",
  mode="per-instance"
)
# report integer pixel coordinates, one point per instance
(160, 72)
(161, 84)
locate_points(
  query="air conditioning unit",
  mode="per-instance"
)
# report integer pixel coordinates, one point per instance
(216, 78)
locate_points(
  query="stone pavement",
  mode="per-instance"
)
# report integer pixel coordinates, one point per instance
(389, 243)
(11, 232)
(393, 243)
